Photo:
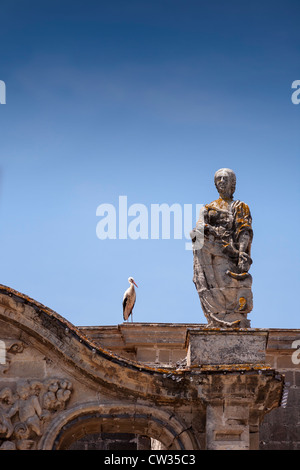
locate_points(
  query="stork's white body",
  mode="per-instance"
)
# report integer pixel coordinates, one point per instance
(129, 300)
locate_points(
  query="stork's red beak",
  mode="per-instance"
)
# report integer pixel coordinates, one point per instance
(135, 284)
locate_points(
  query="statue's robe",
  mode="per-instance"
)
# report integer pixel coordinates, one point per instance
(223, 289)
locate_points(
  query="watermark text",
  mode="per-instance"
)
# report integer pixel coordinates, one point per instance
(296, 354)
(157, 222)
(2, 92)
(296, 94)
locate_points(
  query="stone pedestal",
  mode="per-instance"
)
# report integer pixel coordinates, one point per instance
(223, 347)
(238, 386)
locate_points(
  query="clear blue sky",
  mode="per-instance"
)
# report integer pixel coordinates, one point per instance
(145, 99)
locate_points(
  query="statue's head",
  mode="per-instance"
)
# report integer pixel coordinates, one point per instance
(23, 390)
(225, 181)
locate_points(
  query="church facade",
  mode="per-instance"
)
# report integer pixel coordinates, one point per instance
(137, 386)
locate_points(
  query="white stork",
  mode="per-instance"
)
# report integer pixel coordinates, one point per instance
(129, 300)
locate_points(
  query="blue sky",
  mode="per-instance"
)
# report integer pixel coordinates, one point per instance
(145, 99)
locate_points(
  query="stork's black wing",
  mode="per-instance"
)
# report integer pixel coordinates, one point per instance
(124, 305)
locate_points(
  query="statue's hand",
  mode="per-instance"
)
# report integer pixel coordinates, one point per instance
(244, 262)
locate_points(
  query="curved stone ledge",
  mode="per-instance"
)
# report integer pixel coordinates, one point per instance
(100, 365)
(57, 372)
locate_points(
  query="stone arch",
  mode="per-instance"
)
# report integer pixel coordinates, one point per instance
(139, 419)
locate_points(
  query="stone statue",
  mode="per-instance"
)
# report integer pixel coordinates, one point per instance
(222, 256)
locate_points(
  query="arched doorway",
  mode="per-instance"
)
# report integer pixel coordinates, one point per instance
(138, 420)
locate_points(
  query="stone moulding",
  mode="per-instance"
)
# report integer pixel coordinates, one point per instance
(98, 365)
(133, 390)
(93, 361)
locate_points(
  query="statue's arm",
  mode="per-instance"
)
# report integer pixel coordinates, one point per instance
(244, 241)
(244, 261)
(13, 410)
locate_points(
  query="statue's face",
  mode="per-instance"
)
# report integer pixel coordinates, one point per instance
(223, 183)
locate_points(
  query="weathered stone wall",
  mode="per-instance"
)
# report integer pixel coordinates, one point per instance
(280, 429)
(59, 382)
(165, 344)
